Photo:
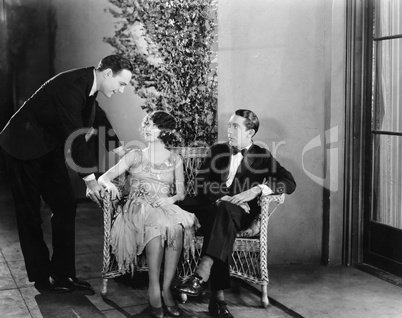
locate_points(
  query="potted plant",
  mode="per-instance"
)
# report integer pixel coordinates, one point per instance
(170, 43)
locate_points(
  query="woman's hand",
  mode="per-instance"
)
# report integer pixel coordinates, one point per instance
(114, 192)
(162, 202)
(109, 187)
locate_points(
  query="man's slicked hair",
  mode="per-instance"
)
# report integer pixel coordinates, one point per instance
(116, 63)
(251, 121)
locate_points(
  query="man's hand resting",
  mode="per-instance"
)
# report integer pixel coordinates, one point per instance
(94, 191)
(243, 205)
(245, 196)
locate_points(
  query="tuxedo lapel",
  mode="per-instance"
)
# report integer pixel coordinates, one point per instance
(88, 113)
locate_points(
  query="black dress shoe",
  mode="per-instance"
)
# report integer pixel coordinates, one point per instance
(218, 309)
(80, 284)
(194, 286)
(73, 282)
(56, 288)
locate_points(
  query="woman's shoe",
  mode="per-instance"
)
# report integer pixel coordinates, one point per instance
(156, 312)
(173, 311)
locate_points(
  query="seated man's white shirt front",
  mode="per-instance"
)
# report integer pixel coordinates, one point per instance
(235, 161)
(234, 165)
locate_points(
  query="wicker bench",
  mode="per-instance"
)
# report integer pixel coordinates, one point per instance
(249, 257)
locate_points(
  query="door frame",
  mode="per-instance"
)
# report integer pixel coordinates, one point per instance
(359, 17)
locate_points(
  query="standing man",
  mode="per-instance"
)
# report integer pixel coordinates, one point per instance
(34, 146)
(230, 181)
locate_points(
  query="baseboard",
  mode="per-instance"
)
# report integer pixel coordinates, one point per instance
(388, 277)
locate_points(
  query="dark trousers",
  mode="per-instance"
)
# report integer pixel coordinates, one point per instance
(220, 225)
(45, 177)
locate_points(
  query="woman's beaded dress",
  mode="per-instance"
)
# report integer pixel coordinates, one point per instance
(137, 221)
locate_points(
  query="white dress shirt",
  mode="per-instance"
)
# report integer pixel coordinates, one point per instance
(235, 161)
(234, 165)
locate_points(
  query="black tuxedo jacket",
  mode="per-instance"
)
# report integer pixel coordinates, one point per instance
(257, 167)
(59, 108)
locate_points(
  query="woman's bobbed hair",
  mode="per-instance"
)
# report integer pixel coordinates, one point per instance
(165, 122)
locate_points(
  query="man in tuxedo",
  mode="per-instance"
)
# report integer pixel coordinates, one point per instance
(36, 141)
(230, 181)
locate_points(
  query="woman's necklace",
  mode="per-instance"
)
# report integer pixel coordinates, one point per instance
(156, 169)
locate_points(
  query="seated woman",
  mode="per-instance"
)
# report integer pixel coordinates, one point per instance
(149, 218)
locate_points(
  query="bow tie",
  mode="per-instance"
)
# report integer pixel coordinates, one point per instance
(235, 151)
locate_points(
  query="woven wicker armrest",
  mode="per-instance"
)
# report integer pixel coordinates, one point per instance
(266, 200)
(107, 208)
(110, 210)
(254, 229)
(268, 204)
(250, 254)
(109, 268)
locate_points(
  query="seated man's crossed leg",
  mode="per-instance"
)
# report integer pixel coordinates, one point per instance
(220, 231)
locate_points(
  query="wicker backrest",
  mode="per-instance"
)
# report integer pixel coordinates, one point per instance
(192, 160)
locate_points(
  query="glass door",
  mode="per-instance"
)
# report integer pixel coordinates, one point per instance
(383, 225)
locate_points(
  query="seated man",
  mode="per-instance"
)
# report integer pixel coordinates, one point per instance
(231, 179)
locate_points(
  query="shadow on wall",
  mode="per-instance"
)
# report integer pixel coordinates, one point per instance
(27, 51)
(28, 33)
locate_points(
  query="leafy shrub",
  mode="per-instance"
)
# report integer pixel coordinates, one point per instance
(170, 43)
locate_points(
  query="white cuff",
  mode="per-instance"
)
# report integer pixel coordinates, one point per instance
(265, 190)
(89, 177)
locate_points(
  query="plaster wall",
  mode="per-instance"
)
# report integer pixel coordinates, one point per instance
(284, 59)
